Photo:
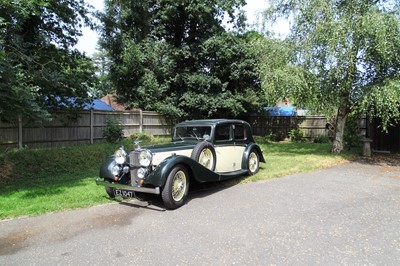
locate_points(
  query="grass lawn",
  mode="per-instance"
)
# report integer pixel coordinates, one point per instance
(35, 182)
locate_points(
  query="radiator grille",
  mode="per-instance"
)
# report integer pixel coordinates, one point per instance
(134, 159)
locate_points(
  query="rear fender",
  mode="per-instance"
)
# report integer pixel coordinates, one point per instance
(247, 152)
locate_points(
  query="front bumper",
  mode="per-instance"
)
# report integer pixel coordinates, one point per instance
(130, 188)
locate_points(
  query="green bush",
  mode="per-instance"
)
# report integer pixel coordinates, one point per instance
(113, 131)
(296, 135)
(321, 139)
(272, 136)
(352, 132)
(142, 136)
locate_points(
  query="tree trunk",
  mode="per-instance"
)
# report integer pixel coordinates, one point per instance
(343, 112)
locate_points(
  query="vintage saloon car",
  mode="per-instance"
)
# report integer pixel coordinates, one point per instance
(201, 150)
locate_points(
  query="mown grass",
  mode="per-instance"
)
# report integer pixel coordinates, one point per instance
(38, 181)
(291, 158)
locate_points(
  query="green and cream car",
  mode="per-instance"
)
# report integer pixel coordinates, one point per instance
(201, 151)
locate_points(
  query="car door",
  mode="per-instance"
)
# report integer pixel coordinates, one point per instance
(229, 156)
(239, 142)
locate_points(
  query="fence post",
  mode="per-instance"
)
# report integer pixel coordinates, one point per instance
(91, 126)
(20, 132)
(141, 121)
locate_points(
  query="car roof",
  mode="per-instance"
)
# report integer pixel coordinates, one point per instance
(211, 122)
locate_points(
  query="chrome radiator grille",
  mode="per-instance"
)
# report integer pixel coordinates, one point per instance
(134, 159)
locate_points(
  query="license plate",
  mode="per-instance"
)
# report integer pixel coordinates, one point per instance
(124, 193)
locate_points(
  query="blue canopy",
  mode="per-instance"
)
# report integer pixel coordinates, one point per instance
(281, 111)
(98, 105)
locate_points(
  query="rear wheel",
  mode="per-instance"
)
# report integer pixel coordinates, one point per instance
(253, 163)
(176, 187)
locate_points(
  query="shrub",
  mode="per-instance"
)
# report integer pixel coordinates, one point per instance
(113, 131)
(142, 136)
(275, 136)
(352, 132)
(7, 170)
(296, 135)
(270, 136)
(321, 139)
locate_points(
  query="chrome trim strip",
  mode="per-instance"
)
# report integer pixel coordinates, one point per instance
(130, 188)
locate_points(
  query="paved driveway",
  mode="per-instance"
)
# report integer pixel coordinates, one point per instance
(347, 215)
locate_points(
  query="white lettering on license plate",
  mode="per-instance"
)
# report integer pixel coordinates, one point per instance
(124, 193)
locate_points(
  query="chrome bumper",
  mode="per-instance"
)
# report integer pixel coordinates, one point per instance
(130, 188)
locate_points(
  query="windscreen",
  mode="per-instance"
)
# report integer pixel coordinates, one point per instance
(192, 132)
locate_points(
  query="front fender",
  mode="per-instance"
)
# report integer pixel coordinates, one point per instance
(160, 174)
(106, 168)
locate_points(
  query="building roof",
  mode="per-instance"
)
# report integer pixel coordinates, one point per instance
(98, 105)
(112, 101)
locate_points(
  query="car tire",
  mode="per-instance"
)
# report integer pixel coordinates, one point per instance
(110, 191)
(253, 163)
(176, 187)
(204, 154)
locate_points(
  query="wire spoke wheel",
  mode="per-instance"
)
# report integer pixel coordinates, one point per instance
(206, 158)
(204, 154)
(176, 187)
(179, 184)
(253, 163)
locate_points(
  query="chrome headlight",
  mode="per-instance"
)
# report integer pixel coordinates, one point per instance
(145, 158)
(120, 156)
(115, 170)
(141, 173)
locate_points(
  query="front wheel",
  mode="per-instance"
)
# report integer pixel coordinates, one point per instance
(176, 187)
(253, 163)
(110, 191)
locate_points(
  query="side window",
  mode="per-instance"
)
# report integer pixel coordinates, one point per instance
(239, 132)
(222, 132)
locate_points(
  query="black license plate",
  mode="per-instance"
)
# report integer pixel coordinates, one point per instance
(124, 193)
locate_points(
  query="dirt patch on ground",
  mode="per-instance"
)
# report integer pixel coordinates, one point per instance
(387, 160)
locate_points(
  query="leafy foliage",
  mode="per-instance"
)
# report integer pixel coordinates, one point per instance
(113, 131)
(321, 139)
(38, 69)
(296, 135)
(352, 132)
(144, 137)
(344, 55)
(176, 58)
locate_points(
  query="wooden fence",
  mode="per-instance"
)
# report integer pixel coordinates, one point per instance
(280, 126)
(87, 129)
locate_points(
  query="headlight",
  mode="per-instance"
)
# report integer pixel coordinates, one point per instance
(115, 170)
(141, 173)
(120, 156)
(145, 158)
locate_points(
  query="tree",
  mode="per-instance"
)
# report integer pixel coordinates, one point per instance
(175, 57)
(39, 70)
(349, 53)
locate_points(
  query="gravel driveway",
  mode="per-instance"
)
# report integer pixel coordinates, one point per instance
(345, 215)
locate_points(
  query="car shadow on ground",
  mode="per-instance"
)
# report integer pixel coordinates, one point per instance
(196, 190)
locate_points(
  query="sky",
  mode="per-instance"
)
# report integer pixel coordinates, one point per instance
(87, 43)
